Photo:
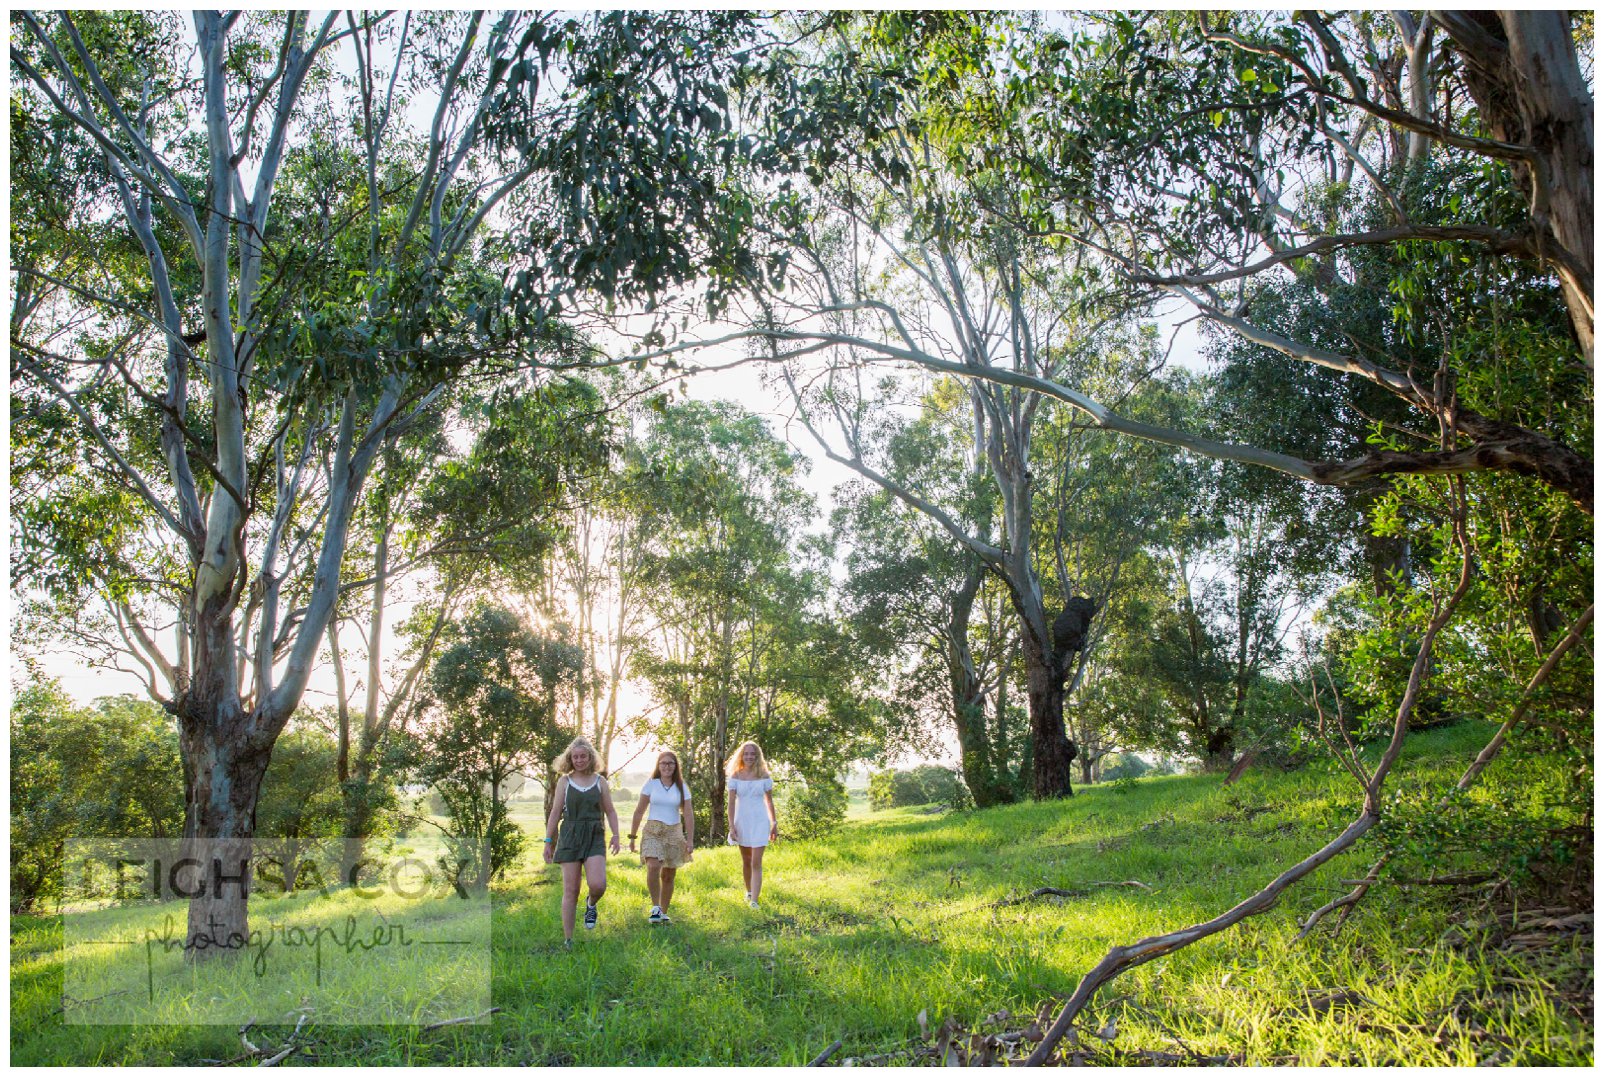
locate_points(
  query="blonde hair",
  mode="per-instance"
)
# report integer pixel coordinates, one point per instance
(565, 765)
(733, 764)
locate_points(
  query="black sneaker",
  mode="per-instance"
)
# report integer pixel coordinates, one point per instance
(590, 917)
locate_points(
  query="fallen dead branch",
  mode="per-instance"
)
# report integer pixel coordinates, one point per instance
(1122, 958)
(824, 1056)
(1053, 891)
(1170, 1058)
(68, 1001)
(250, 1048)
(282, 1055)
(1467, 878)
(460, 1020)
(289, 1047)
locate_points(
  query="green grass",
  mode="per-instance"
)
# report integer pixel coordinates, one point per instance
(895, 915)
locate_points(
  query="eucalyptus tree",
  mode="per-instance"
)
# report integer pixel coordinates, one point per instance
(232, 476)
(449, 524)
(732, 588)
(964, 292)
(912, 587)
(596, 571)
(284, 320)
(993, 307)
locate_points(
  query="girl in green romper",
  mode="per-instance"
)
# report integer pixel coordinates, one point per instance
(579, 802)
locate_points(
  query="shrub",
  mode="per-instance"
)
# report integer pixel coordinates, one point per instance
(813, 810)
(926, 784)
(1127, 765)
(108, 770)
(893, 789)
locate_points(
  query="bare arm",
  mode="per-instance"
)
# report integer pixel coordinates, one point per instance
(687, 817)
(634, 824)
(774, 822)
(612, 812)
(558, 796)
(730, 816)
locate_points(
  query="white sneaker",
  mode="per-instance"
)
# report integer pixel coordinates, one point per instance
(656, 916)
(752, 901)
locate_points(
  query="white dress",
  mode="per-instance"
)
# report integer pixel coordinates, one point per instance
(751, 823)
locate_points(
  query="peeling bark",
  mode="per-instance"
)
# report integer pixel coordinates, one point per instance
(1521, 68)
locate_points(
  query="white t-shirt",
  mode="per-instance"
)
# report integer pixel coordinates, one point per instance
(665, 800)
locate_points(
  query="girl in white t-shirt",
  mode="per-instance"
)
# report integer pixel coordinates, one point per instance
(670, 832)
(752, 821)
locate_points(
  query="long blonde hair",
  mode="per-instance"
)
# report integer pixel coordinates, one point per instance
(733, 764)
(565, 765)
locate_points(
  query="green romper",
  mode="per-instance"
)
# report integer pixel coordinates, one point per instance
(581, 833)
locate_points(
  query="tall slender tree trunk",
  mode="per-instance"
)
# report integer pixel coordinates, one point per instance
(1001, 742)
(342, 707)
(721, 725)
(720, 819)
(357, 788)
(982, 774)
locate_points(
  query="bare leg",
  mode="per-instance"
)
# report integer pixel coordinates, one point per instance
(746, 868)
(596, 877)
(668, 887)
(570, 897)
(756, 888)
(654, 868)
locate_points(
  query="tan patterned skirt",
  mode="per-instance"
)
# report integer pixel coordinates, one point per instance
(662, 841)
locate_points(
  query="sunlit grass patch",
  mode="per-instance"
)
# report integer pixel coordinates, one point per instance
(904, 912)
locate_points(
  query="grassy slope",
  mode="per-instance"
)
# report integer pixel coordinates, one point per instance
(891, 917)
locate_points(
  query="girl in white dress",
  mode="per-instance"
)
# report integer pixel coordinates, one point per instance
(752, 821)
(670, 832)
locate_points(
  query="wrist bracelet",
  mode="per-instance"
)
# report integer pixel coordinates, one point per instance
(550, 840)
(632, 837)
